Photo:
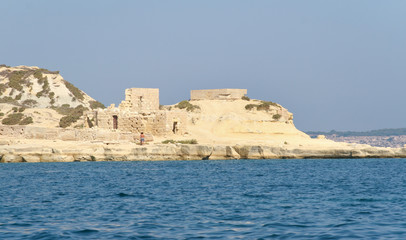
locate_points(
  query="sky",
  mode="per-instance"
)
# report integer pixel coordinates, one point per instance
(334, 64)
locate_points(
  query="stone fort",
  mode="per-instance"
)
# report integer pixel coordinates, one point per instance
(140, 112)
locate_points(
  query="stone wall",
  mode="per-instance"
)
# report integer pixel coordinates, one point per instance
(160, 122)
(140, 99)
(139, 112)
(217, 94)
(168, 122)
(28, 132)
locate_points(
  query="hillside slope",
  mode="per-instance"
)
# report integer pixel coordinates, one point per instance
(41, 88)
(37, 96)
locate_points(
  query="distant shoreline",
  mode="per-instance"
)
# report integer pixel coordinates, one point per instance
(378, 132)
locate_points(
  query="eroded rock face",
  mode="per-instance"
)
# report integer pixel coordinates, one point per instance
(132, 152)
(11, 158)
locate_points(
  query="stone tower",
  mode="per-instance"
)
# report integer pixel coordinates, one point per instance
(140, 100)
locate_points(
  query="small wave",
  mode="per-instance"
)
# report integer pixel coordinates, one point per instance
(255, 195)
(86, 231)
(20, 224)
(364, 213)
(124, 195)
(44, 235)
(285, 225)
(367, 200)
(137, 195)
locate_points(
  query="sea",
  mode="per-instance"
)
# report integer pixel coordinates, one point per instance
(224, 199)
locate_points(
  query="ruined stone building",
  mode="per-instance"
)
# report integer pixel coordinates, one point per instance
(139, 112)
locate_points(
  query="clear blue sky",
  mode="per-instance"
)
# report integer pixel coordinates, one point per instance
(335, 64)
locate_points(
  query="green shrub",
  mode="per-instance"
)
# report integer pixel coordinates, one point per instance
(250, 106)
(72, 116)
(13, 119)
(3, 88)
(9, 100)
(276, 117)
(45, 88)
(263, 106)
(18, 97)
(29, 103)
(187, 105)
(44, 70)
(190, 141)
(1, 114)
(65, 109)
(16, 79)
(26, 121)
(96, 104)
(38, 75)
(269, 103)
(245, 98)
(15, 109)
(74, 90)
(66, 121)
(266, 105)
(21, 109)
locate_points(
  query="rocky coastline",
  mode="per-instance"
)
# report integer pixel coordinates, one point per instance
(119, 151)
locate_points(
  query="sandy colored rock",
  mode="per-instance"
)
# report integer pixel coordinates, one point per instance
(56, 158)
(31, 158)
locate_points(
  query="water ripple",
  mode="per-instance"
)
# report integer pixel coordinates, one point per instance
(244, 199)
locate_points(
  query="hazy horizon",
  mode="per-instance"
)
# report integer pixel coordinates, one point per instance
(334, 64)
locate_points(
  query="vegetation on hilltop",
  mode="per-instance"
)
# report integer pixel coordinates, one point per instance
(16, 79)
(96, 104)
(263, 106)
(77, 93)
(245, 98)
(276, 117)
(187, 105)
(19, 78)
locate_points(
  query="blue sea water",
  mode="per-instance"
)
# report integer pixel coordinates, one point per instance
(230, 199)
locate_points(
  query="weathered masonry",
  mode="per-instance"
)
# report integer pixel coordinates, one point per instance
(139, 112)
(140, 99)
(217, 94)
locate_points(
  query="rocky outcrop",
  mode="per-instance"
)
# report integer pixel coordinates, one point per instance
(38, 87)
(105, 151)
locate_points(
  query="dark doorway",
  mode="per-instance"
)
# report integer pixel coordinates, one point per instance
(175, 127)
(89, 123)
(115, 122)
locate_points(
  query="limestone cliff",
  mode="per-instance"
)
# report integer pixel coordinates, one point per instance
(69, 151)
(239, 121)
